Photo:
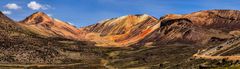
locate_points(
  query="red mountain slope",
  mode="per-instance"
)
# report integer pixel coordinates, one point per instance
(121, 31)
(42, 24)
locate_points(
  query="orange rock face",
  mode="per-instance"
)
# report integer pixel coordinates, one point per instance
(42, 24)
(121, 31)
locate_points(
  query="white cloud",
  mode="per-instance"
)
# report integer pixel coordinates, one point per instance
(12, 6)
(7, 12)
(36, 6)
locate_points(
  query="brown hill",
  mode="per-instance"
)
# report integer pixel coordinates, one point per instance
(198, 27)
(7, 23)
(19, 46)
(217, 19)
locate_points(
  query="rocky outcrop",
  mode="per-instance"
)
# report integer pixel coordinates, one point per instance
(228, 48)
(42, 24)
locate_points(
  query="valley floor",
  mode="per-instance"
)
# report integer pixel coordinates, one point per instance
(145, 57)
(167, 56)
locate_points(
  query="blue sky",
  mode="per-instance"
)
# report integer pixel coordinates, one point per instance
(87, 12)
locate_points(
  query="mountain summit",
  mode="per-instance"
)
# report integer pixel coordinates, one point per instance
(122, 30)
(38, 18)
(45, 25)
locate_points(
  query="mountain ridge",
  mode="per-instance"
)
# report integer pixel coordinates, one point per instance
(197, 27)
(140, 28)
(204, 39)
(117, 30)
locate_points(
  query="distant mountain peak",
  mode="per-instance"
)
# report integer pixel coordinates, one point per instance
(39, 12)
(43, 24)
(37, 18)
(134, 16)
(42, 14)
(138, 15)
(142, 15)
(123, 30)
